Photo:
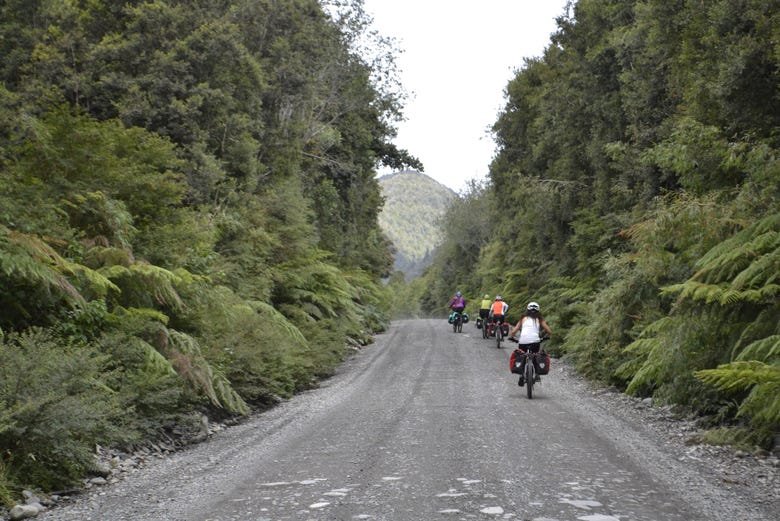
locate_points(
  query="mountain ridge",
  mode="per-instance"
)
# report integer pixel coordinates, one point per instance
(414, 203)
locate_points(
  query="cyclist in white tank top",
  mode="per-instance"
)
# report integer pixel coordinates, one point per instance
(529, 331)
(530, 326)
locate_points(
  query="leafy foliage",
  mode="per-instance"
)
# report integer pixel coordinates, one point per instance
(189, 203)
(636, 177)
(56, 407)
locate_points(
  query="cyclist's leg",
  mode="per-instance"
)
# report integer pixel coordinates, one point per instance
(501, 321)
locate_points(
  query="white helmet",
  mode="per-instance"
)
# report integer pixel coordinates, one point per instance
(498, 297)
(532, 306)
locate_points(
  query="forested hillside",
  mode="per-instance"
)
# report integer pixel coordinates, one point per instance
(413, 206)
(635, 196)
(188, 216)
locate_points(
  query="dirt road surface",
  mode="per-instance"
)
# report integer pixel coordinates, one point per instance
(426, 424)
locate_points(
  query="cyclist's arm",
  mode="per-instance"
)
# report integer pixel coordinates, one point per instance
(546, 328)
(516, 328)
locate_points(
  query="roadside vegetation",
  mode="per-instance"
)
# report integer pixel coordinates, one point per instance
(188, 216)
(635, 195)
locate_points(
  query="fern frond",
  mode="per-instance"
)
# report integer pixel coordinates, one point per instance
(740, 375)
(764, 270)
(155, 362)
(723, 293)
(148, 314)
(277, 319)
(641, 346)
(228, 397)
(728, 297)
(319, 284)
(28, 258)
(99, 284)
(99, 256)
(727, 260)
(145, 280)
(763, 404)
(658, 350)
(763, 380)
(695, 290)
(765, 324)
(765, 350)
(659, 326)
(189, 363)
(761, 295)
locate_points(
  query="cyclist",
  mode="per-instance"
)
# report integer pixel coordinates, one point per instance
(498, 311)
(458, 303)
(530, 325)
(484, 309)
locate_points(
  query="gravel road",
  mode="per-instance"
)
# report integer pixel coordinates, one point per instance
(428, 424)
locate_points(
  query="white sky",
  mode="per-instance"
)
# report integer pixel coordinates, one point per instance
(458, 56)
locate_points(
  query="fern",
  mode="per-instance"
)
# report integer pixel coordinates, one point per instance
(185, 355)
(748, 259)
(762, 404)
(321, 288)
(277, 319)
(766, 350)
(144, 314)
(99, 256)
(28, 258)
(740, 375)
(155, 362)
(144, 285)
(658, 360)
(98, 284)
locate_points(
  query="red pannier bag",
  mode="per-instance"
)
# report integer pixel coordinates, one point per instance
(512, 362)
(543, 362)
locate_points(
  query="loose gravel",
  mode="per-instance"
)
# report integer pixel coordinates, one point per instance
(722, 475)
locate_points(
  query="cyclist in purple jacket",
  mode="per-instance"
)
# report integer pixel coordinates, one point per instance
(458, 303)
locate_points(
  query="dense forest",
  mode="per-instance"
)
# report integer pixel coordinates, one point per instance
(634, 194)
(189, 212)
(188, 215)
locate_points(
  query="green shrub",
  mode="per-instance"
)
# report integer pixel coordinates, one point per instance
(6, 487)
(56, 409)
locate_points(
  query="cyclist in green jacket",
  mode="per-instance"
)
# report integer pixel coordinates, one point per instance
(484, 308)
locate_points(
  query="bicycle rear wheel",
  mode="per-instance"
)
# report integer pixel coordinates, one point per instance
(530, 374)
(499, 336)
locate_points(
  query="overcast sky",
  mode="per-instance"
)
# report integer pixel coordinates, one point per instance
(458, 56)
